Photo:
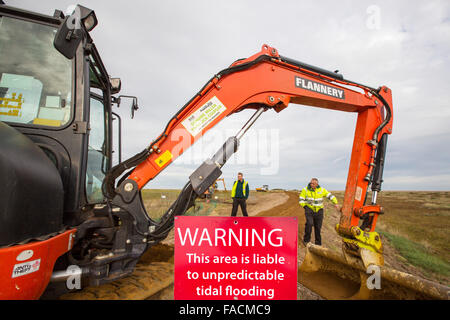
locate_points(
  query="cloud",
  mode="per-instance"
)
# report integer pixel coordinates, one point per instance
(165, 51)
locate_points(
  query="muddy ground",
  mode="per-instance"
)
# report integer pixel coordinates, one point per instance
(154, 275)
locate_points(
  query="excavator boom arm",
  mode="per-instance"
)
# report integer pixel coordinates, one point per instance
(269, 80)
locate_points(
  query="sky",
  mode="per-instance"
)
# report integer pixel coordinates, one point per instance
(165, 51)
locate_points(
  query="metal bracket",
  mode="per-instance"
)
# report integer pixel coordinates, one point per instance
(369, 246)
(205, 175)
(81, 127)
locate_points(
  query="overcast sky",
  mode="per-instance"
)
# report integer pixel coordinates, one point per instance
(164, 52)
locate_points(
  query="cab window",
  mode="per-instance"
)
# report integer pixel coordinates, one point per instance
(98, 159)
(35, 79)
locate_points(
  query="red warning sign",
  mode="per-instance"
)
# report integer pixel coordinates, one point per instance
(244, 258)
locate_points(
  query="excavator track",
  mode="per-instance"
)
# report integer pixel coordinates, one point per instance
(152, 280)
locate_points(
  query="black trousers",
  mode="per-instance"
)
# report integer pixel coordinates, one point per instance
(239, 202)
(313, 219)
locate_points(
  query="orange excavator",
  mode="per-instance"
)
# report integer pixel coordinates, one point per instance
(210, 191)
(63, 203)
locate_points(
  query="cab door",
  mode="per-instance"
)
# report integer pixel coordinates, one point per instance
(100, 136)
(98, 160)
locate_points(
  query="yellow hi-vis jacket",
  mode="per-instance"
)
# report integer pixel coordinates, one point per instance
(313, 199)
(244, 189)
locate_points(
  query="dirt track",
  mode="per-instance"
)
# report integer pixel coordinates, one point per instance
(153, 278)
(291, 208)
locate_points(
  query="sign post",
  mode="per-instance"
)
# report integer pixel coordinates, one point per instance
(236, 258)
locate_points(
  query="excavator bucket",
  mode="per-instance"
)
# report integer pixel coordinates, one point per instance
(334, 275)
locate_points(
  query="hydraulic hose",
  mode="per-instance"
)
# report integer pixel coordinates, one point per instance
(388, 114)
(109, 184)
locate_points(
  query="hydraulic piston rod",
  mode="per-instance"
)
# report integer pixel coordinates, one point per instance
(205, 175)
(249, 123)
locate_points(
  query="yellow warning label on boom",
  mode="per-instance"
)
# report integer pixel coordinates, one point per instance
(164, 158)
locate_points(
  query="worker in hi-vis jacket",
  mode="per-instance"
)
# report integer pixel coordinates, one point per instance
(240, 193)
(311, 199)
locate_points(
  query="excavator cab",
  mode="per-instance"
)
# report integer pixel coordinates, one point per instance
(56, 123)
(46, 98)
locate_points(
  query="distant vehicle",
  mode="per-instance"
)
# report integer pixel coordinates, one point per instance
(264, 188)
(210, 191)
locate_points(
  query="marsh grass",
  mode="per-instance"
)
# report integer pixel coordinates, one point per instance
(418, 255)
(417, 225)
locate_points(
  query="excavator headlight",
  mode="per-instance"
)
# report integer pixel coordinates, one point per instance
(70, 35)
(88, 18)
(115, 85)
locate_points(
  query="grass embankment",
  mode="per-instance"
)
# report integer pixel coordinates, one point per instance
(418, 255)
(157, 201)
